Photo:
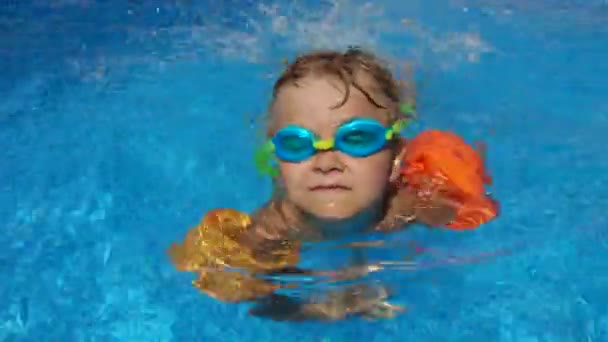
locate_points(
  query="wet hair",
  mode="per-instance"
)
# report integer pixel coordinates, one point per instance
(351, 67)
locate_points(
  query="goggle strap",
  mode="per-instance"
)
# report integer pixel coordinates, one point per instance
(396, 129)
(407, 108)
(264, 157)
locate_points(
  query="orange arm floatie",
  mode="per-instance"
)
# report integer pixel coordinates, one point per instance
(442, 162)
(213, 246)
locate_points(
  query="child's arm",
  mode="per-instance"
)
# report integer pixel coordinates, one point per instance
(406, 207)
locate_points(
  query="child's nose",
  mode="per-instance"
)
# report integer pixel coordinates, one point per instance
(328, 161)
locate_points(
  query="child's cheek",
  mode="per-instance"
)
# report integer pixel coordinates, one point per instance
(373, 178)
(292, 176)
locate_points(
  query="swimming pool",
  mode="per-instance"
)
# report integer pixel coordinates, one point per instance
(121, 125)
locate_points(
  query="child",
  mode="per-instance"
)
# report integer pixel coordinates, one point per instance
(334, 126)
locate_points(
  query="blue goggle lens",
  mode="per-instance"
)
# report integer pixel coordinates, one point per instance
(361, 139)
(293, 144)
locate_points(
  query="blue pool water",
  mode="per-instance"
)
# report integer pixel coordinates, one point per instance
(121, 123)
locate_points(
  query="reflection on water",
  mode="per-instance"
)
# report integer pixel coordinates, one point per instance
(367, 300)
(339, 278)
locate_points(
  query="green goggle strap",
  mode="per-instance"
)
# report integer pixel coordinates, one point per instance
(265, 161)
(407, 109)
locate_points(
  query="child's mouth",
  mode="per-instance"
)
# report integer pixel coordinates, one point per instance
(330, 187)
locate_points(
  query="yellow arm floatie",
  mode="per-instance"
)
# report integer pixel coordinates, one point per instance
(214, 245)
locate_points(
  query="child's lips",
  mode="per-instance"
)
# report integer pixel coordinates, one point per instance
(330, 187)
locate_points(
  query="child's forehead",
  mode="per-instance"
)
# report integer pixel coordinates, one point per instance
(319, 103)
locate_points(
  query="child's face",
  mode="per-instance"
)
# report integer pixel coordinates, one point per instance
(331, 184)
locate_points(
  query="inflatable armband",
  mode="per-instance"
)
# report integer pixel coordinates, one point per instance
(437, 162)
(213, 246)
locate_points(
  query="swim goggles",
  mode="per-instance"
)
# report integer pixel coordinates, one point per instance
(359, 137)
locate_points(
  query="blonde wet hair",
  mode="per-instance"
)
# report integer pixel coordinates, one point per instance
(356, 68)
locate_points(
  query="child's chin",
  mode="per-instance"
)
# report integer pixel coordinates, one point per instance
(333, 212)
(332, 215)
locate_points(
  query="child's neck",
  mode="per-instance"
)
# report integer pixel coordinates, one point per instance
(331, 228)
